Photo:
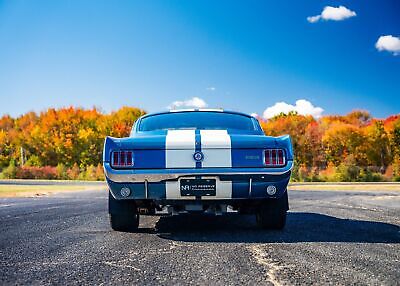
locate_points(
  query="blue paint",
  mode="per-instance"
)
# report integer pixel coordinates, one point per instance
(247, 158)
(137, 189)
(259, 189)
(240, 189)
(149, 159)
(156, 190)
(198, 147)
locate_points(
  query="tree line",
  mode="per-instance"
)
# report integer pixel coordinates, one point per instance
(353, 147)
(67, 143)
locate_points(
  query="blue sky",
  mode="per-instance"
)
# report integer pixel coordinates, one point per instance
(240, 55)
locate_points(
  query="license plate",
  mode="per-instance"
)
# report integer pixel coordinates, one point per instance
(198, 187)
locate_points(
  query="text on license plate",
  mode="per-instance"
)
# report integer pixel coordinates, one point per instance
(198, 187)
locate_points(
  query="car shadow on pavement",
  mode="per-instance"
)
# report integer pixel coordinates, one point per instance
(300, 227)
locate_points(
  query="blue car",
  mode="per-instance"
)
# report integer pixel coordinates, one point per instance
(197, 161)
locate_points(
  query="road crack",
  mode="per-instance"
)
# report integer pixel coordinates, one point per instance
(271, 267)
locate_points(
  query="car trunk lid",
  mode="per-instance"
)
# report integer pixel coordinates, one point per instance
(177, 148)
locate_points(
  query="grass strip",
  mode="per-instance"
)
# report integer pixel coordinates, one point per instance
(41, 190)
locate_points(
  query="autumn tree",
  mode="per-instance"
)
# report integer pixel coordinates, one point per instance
(342, 140)
(62, 136)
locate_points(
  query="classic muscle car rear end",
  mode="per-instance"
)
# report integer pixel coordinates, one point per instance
(197, 161)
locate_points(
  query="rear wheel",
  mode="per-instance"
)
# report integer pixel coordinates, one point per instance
(123, 214)
(272, 213)
(122, 222)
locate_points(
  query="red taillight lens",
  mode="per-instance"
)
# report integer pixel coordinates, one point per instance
(122, 159)
(274, 157)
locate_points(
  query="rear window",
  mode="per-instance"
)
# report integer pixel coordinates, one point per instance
(197, 120)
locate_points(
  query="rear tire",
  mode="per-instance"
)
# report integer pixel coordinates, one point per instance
(272, 213)
(123, 214)
(124, 222)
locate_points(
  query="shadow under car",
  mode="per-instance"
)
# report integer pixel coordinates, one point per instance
(300, 227)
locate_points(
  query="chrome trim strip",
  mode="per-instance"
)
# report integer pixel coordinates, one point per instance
(152, 175)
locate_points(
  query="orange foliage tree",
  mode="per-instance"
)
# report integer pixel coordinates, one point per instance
(62, 136)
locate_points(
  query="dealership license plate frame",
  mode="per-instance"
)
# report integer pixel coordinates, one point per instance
(198, 187)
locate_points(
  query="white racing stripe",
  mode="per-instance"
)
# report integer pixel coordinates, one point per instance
(216, 147)
(180, 147)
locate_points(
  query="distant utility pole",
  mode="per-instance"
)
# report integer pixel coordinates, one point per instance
(22, 156)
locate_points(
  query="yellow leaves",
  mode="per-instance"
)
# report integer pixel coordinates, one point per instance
(339, 131)
(3, 137)
(86, 134)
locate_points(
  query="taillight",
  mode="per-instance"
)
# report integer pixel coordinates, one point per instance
(122, 159)
(274, 157)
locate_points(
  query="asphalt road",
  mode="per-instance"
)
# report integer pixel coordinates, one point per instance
(332, 237)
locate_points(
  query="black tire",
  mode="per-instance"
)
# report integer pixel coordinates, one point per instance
(272, 213)
(124, 222)
(123, 214)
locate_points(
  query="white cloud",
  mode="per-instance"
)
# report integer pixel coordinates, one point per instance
(388, 43)
(211, 88)
(332, 13)
(302, 107)
(194, 102)
(254, 115)
(313, 19)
